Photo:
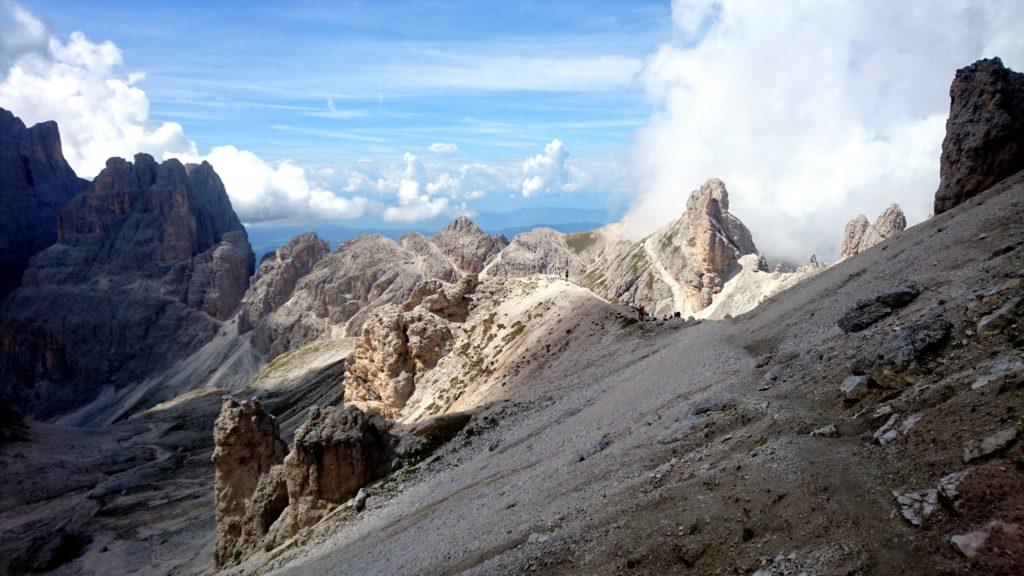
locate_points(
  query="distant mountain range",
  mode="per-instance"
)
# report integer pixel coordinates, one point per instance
(269, 237)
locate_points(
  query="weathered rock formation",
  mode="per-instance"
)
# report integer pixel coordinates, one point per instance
(148, 261)
(264, 497)
(336, 452)
(859, 234)
(277, 276)
(397, 347)
(683, 265)
(342, 289)
(539, 251)
(466, 246)
(35, 183)
(984, 140)
(248, 444)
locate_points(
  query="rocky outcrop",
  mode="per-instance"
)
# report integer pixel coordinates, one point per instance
(247, 444)
(984, 140)
(395, 347)
(466, 246)
(277, 276)
(342, 289)
(264, 498)
(148, 261)
(449, 301)
(539, 251)
(35, 183)
(682, 266)
(336, 452)
(859, 234)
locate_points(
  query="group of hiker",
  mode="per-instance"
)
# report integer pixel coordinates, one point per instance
(644, 316)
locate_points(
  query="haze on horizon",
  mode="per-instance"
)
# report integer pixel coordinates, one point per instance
(374, 114)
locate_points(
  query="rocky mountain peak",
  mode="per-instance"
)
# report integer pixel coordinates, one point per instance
(711, 198)
(860, 234)
(151, 214)
(277, 276)
(148, 260)
(35, 183)
(467, 246)
(984, 140)
(462, 224)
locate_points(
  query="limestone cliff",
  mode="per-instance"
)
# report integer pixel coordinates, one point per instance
(147, 263)
(35, 183)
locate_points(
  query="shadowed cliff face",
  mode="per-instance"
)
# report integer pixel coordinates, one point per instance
(35, 183)
(984, 132)
(148, 261)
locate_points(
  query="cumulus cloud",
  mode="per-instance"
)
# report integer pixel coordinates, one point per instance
(100, 113)
(103, 113)
(810, 112)
(546, 172)
(415, 200)
(265, 193)
(443, 148)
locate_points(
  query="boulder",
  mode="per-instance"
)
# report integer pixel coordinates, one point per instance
(865, 313)
(247, 444)
(949, 485)
(984, 140)
(995, 548)
(977, 449)
(916, 507)
(855, 387)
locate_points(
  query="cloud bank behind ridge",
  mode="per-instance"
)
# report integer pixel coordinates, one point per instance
(810, 112)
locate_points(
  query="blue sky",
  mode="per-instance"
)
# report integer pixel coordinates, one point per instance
(327, 84)
(407, 114)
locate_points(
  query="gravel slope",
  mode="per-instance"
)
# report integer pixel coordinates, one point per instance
(707, 464)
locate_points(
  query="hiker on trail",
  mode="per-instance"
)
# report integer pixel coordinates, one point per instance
(640, 312)
(566, 274)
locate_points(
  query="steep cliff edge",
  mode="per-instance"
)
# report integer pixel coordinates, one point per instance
(35, 183)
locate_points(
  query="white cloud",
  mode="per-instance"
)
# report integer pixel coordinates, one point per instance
(810, 112)
(100, 114)
(546, 172)
(103, 113)
(443, 149)
(415, 200)
(263, 193)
